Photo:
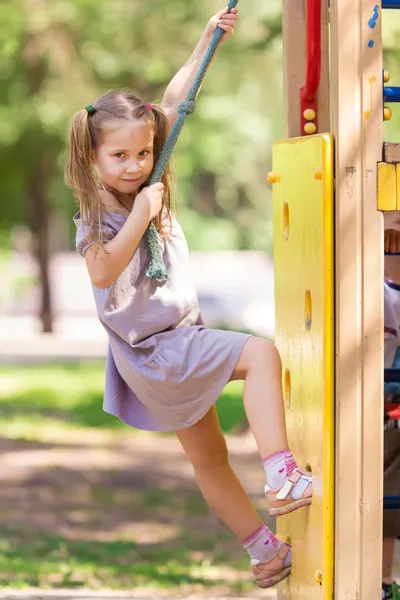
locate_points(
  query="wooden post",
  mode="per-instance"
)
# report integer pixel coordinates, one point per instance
(356, 116)
(294, 65)
(294, 61)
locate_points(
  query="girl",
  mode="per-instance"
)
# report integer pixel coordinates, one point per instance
(164, 369)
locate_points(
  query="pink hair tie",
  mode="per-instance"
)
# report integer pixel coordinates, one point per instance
(149, 106)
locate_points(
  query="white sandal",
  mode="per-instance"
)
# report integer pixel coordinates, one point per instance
(281, 502)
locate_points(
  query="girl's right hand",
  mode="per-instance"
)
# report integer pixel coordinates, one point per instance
(149, 199)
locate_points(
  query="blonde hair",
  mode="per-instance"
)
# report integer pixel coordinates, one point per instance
(85, 134)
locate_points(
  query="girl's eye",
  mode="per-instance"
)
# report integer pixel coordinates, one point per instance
(119, 154)
(144, 153)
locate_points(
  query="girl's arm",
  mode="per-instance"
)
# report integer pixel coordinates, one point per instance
(105, 268)
(179, 86)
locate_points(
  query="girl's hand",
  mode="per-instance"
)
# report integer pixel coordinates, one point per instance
(225, 20)
(149, 200)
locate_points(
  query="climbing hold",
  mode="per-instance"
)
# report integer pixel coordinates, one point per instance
(386, 76)
(285, 220)
(273, 177)
(310, 128)
(308, 310)
(318, 173)
(371, 44)
(318, 576)
(287, 388)
(309, 114)
(387, 113)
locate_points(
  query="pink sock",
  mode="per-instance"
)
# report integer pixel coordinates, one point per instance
(262, 545)
(278, 467)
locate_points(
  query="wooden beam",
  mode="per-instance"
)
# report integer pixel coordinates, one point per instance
(294, 62)
(391, 152)
(356, 111)
(294, 65)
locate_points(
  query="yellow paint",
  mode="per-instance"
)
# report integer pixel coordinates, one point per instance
(305, 337)
(317, 173)
(371, 80)
(387, 184)
(273, 177)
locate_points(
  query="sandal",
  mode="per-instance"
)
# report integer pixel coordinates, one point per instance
(270, 572)
(281, 502)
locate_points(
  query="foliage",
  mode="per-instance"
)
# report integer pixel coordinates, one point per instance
(58, 55)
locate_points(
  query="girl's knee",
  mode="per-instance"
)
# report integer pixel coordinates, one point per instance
(263, 353)
(257, 354)
(268, 352)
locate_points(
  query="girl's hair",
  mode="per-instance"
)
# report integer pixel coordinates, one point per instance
(80, 173)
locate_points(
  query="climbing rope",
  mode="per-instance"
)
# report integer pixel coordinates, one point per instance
(157, 269)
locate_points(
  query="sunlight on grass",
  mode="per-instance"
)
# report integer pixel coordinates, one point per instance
(113, 565)
(59, 403)
(45, 402)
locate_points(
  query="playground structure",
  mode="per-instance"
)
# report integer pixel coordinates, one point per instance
(332, 178)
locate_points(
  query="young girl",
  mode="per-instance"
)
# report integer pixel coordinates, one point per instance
(165, 369)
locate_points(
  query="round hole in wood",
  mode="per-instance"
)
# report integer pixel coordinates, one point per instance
(308, 310)
(286, 220)
(287, 388)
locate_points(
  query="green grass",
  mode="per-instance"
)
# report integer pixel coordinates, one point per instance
(39, 402)
(52, 406)
(49, 561)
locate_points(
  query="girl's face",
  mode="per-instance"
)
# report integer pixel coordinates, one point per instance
(124, 157)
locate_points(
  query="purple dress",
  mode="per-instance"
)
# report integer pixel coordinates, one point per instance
(164, 369)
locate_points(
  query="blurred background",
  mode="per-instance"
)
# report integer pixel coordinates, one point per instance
(86, 502)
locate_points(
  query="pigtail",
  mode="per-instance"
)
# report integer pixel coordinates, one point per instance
(80, 176)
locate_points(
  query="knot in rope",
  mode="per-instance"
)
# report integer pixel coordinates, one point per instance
(188, 107)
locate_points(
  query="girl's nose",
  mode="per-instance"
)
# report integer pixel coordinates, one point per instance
(133, 168)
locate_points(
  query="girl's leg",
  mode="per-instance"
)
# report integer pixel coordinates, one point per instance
(205, 446)
(288, 486)
(261, 368)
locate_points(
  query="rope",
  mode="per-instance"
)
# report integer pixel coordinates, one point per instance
(157, 269)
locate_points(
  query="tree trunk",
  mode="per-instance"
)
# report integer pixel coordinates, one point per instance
(38, 218)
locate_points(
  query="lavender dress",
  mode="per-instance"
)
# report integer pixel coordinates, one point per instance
(164, 369)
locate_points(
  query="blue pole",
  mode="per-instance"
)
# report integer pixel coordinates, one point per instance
(391, 94)
(390, 3)
(391, 502)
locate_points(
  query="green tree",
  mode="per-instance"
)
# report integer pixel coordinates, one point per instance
(58, 55)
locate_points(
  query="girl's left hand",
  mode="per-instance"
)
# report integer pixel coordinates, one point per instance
(225, 20)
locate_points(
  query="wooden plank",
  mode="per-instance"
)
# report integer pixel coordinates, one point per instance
(303, 250)
(356, 111)
(323, 92)
(391, 152)
(294, 61)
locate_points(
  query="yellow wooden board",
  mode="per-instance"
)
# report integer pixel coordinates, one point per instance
(303, 257)
(387, 186)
